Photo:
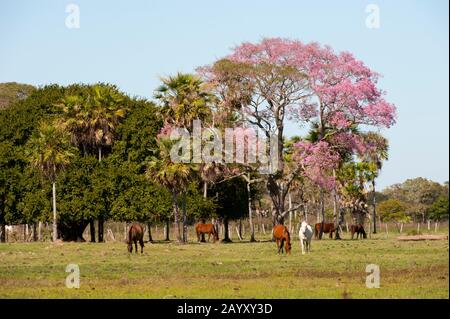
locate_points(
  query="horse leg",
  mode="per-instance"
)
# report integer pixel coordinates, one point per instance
(301, 244)
(141, 242)
(209, 237)
(198, 236)
(135, 246)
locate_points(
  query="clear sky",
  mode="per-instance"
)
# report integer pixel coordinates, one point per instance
(133, 43)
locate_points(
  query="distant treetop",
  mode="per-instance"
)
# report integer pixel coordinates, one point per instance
(13, 91)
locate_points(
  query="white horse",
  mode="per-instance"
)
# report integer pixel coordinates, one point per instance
(305, 234)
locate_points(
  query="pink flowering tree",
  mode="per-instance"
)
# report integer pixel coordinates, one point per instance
(276, 80)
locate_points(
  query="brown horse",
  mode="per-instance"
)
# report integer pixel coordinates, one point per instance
(327, 228)
(135, 235)
(359, 230)
(282, 236)
(206, 229)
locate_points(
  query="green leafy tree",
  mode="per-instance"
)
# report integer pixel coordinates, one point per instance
(174, 176)
(439, 209)
(92, 117)
(420, 193)
(50, 153)
(231, 199)
(394, 210)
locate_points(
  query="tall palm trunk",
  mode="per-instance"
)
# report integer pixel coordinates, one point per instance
(55, 227)
(184, 218)
(205, 195)
(176, 217)
(250, 217)
(101, 220)
(374, 204)
(336, 209)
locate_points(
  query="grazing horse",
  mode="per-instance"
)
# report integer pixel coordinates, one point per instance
(206, 229)
(282, 236)
(327, 228)
(359, 230)
(135, 235)
(305, 234)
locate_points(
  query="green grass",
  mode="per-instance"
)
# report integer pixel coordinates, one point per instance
(334, 269)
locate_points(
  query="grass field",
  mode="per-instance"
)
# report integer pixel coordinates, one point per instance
(334, 269)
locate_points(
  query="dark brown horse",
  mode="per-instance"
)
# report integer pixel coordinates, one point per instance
(135, 235)
(327, 228)
(359, 230)
(282, 236)
(206, 229)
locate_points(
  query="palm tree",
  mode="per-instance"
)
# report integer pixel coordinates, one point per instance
(92, 119)
(174, 176)
(49, 151)
(185, 99)
(377, 154)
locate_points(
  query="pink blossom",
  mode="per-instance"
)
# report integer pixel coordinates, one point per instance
(317, 161)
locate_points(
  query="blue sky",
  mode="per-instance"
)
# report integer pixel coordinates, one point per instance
(133, 43)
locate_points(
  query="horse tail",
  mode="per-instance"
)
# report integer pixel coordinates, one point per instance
(286, 235)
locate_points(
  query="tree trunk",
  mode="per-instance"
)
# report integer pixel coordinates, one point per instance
(176, 217)
(101, 223)
(72, 231)
(290, 212)
(226, 237)
(55, 227)
(40, 231)
(322, 212)
(250, 217)
(35, 235)
(167, 229)
(92, 231)
(150, 239)
(100, 154)
(185, 239)
(3, 233)
(374, 203)
(240, 229)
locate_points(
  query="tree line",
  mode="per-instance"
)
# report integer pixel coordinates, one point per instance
(100, 155)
